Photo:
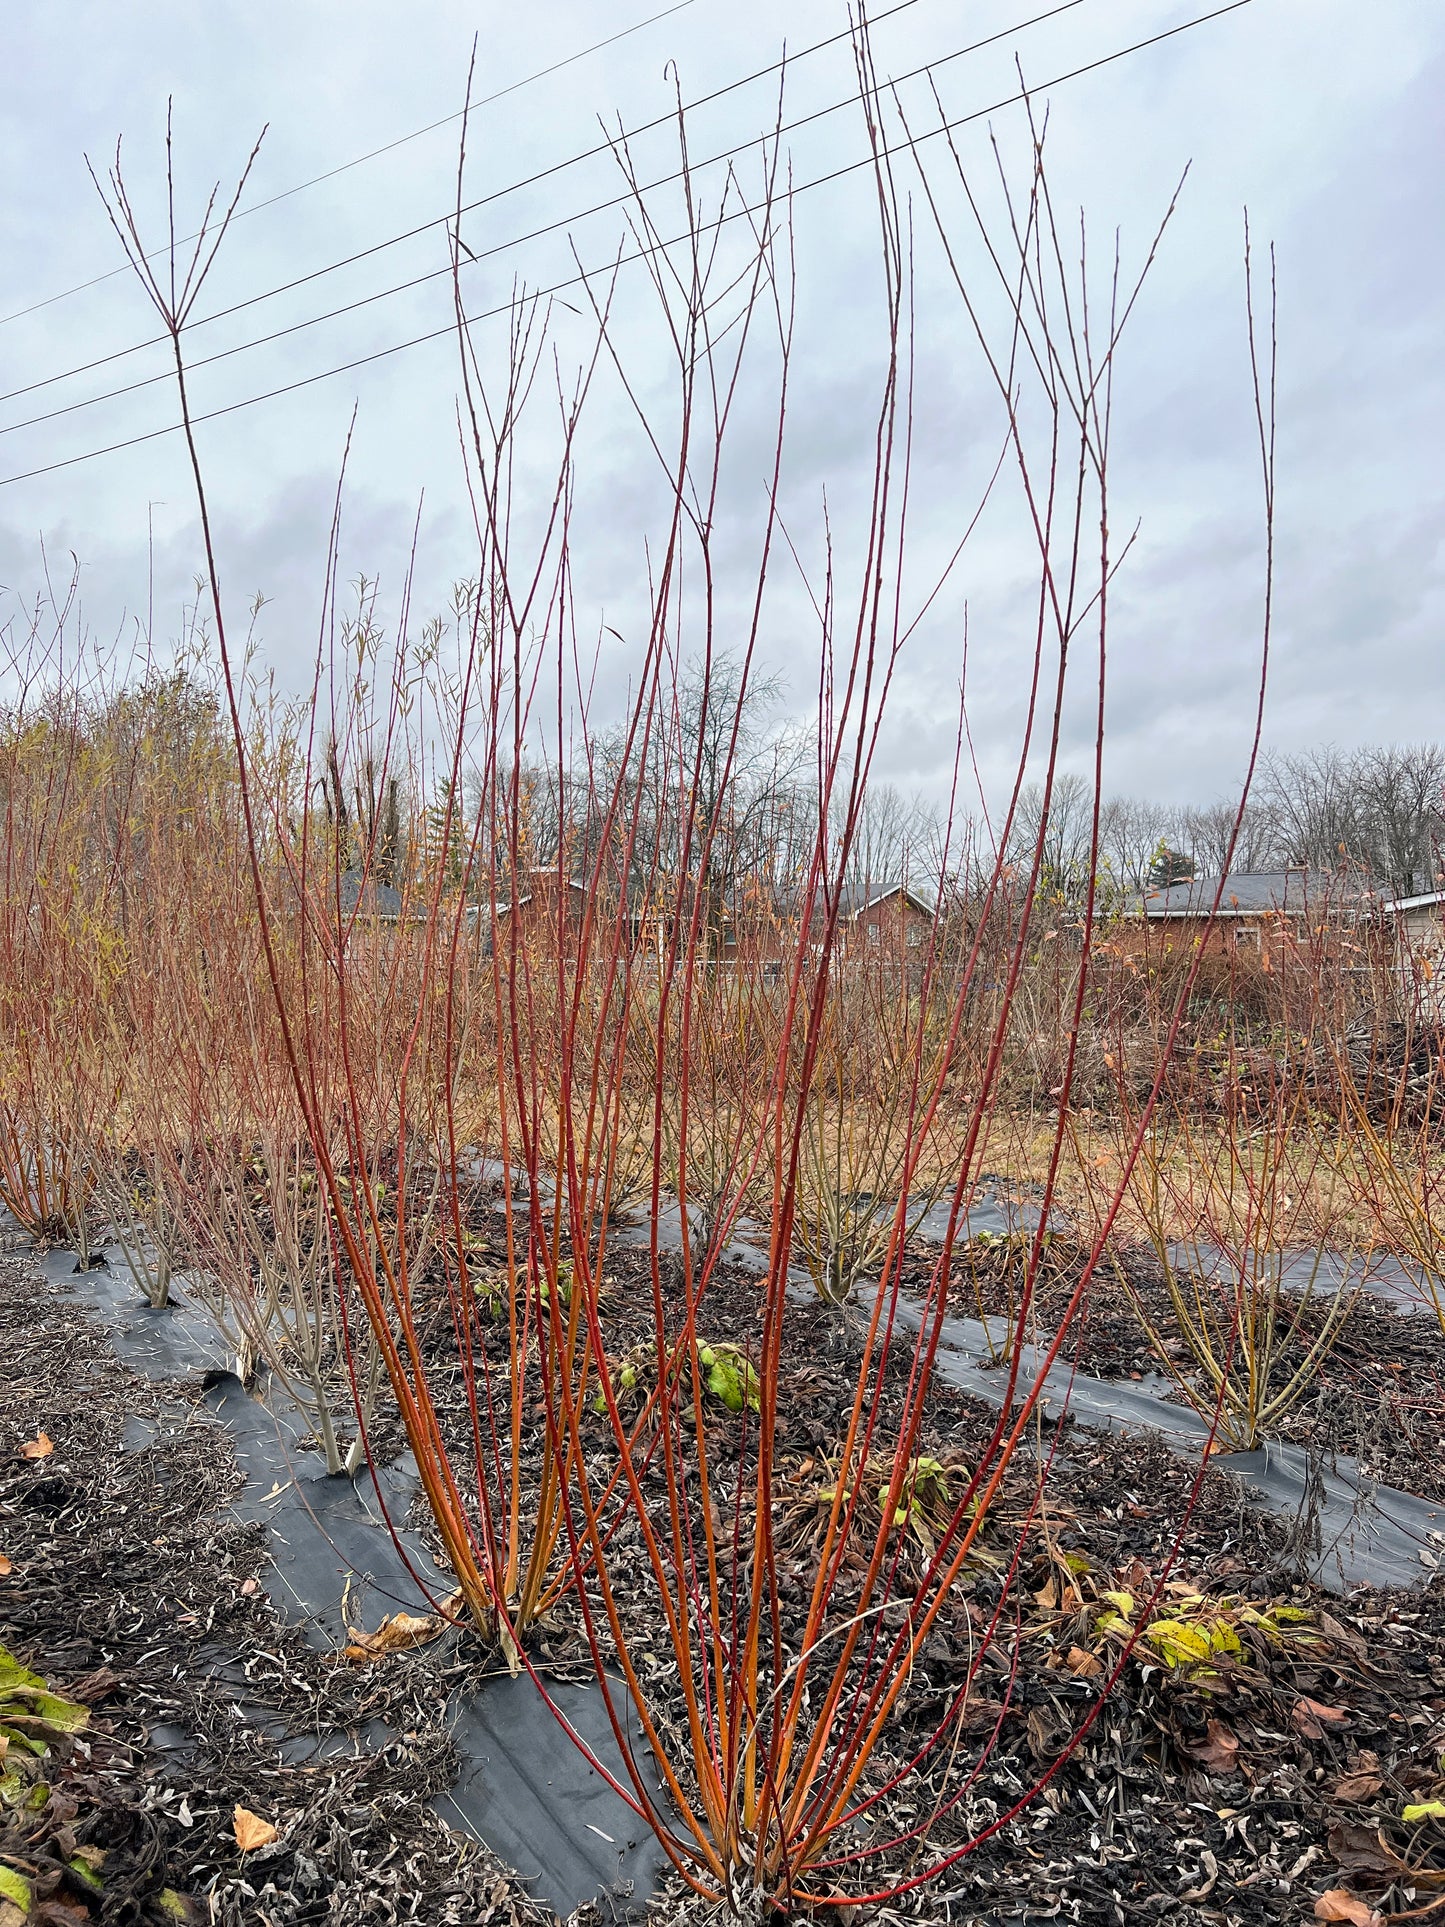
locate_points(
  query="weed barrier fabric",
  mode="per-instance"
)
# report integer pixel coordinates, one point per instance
(1351, 1530)
(524, 1787)
(521, 1772)
(1401, 1285)
(171, 1341)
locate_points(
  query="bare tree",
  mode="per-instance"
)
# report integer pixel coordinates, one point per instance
(1401, 792)
(895, 843)
(1209, 835)
(1063, 837)
(1131, 831)
(1314, 800)
(718, 799)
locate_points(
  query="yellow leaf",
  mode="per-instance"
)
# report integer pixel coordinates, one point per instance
(1426, 1810)
(38, 1448)
(1177, 1643)
(252, 1831)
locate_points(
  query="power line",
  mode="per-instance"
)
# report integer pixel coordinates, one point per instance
(499, 247)
(745, 212)
(441, 220)
(375, 153)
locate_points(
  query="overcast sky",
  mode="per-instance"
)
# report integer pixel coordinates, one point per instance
(1315, 114)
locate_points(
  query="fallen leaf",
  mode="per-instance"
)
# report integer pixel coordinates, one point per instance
(1362, 1782)
(1218, 1751)
(251, 1830)
(1338, 1904)
(394, 1635)
(249, 1586)
(1426, 1810)
(1083, 1664)
(1363, 1850)
(1048, 1595)
(5, 1567)
(1310, 1718)
(1206, 1888)
(94, 1686)
(1342, 1636)
(979, 1714)
(38, 1448)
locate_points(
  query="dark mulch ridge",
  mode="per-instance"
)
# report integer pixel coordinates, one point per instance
(125, 1566)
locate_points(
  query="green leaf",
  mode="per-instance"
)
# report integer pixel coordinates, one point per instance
(29, 1712)
(85, 1868)
(729, 1377)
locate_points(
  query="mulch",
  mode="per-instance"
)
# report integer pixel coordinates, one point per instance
(1233, 1798)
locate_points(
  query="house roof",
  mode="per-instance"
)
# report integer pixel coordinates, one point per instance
(546, 877)
(851, 909)
(1260, 893)
(365, 893)
(1427, 900)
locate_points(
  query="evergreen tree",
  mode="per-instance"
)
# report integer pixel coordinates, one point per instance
(1170, 867)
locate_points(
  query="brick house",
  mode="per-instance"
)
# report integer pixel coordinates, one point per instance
(544, 915)
(893, 923)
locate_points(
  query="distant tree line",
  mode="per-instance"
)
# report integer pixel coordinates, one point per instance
(1377, 813)
(720, 806)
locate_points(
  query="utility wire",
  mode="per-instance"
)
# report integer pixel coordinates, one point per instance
(486, 200)
(486, 100)
(745, 212)
(499, 247)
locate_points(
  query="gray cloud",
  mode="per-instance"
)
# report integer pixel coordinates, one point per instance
(1319, 117)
